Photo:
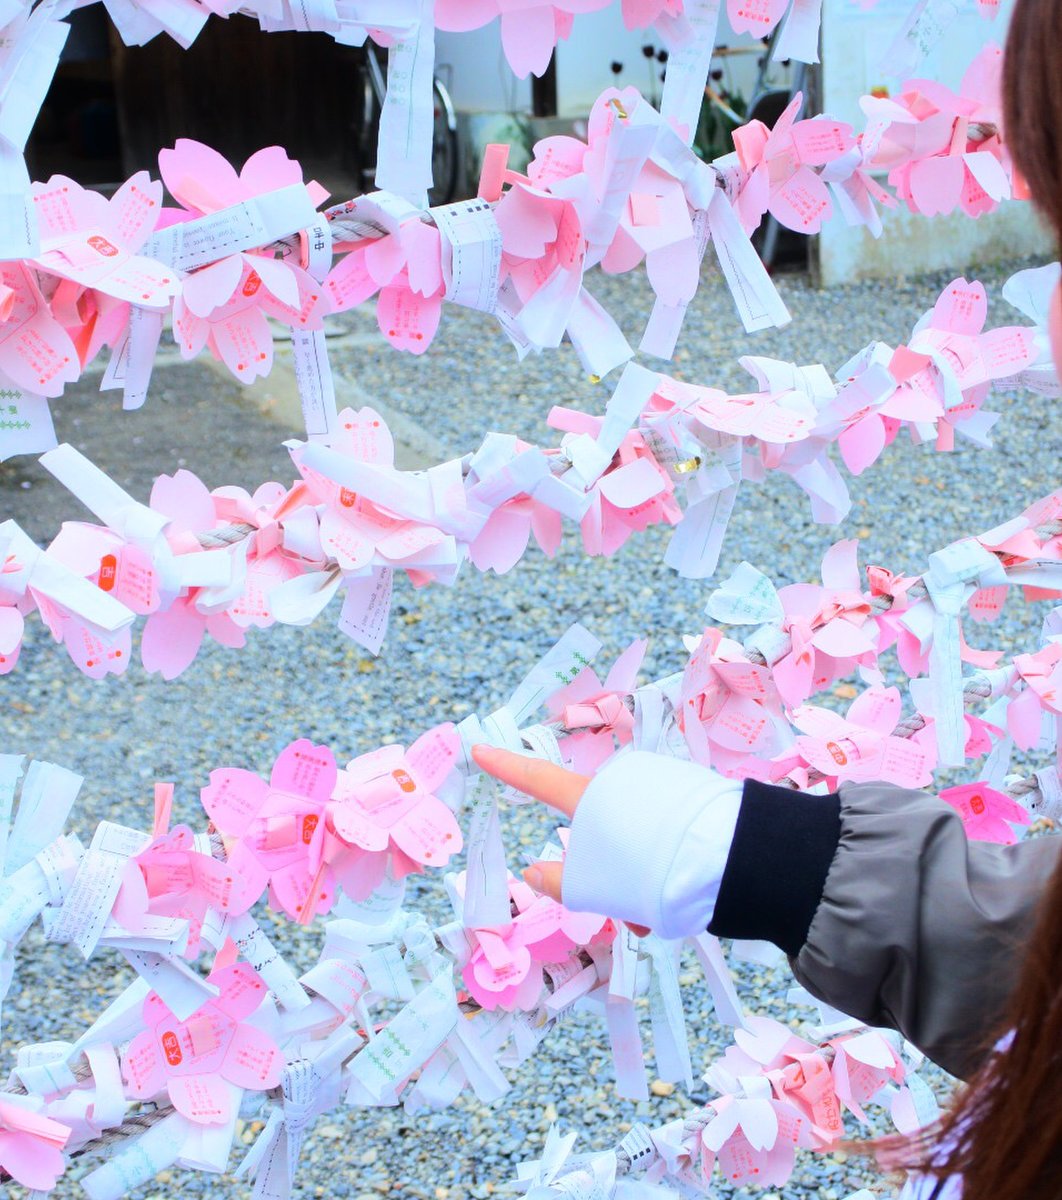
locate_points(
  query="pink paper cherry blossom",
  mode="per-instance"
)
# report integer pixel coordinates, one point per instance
(730, 707)
(942, 148)
(95, 651)
(779, 163)
(1041, 673)
(31, 1146)
(405, 266)
(355, 531)
(171, 878)
(277, 828)
(987, 815)
(386, 809)
(863, 1064)
(753, 1140)
(224, 305)
(505, 969)
(828, 625)
(861, 746)
(173, 635)
(90, 244)
(596, 712)
(36, 352)
(117, 567)
(633, 493)
(199, 1062)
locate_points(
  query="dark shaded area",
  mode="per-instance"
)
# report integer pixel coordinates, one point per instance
(112, 107)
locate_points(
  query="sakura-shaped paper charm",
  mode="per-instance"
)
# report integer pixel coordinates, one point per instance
(778, 164)
(863, 1064)
(172, 877)
(505, 969)
(861, 746)
(754, 1140)
(828, 626)
(173, 634)
(730, 707)
(31, 1145)
(267, 565)
(36, 352)
(632, 493)
(386, 810)
(202, 1063)
(89, 243)
(274, 832)
(355, 529)
(942, 149)
(770, 416)
(1040, 698)
(596, 713)
(224, 305)
(404, 266)
(987, 815)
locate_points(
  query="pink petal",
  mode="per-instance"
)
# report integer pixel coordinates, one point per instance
(171, 638)
(198, 177)
(303, 769)
(254, 1060)
(429, 834)
(407, 320)
(233, 798)
(528, 38)
(31, 1161)
(212, 287)
(203, 1099)
(267, 170)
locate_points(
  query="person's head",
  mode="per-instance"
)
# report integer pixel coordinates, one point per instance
(1032, 118)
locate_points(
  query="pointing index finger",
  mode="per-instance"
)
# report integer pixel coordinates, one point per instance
(553, 785)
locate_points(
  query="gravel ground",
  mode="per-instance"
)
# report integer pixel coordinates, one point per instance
(454, 650)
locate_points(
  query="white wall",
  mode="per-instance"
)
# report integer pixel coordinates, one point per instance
(853, 43)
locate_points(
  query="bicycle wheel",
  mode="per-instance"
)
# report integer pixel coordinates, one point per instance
(445, 159)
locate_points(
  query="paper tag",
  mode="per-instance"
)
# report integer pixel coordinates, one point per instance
(758, 303)
(556, 669)
(406, 1041)
(367, 609)
(245, 226)
(25, 424)
(472, 265)
(404, 149)
(486, 901)
(688, 63)
(91, 897)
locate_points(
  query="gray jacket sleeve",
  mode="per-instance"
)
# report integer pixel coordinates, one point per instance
(886, 910)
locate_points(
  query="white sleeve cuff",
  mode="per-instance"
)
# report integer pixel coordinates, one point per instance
(649, 843)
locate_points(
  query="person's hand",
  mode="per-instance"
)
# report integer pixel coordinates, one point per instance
(553, 785)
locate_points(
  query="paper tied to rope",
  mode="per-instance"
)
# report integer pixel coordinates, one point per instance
(949, 581)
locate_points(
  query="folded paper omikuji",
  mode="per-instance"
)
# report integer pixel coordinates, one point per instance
(664, 452)
(247, 247)
(219, 1027)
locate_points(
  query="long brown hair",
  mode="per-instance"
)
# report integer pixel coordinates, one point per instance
(1032, 102)
(1003, 1134)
